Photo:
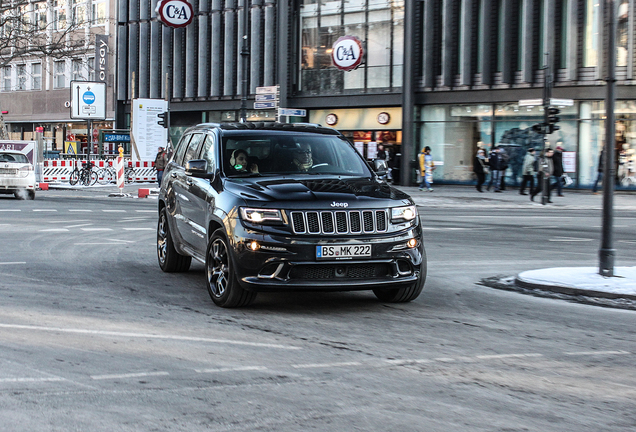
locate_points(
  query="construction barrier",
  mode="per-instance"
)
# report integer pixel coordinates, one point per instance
(56, 170)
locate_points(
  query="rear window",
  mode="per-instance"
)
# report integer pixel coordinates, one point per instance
(13, 157)
(291, 153)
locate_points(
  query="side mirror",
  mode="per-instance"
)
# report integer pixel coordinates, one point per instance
(198, 168)
(380, 167)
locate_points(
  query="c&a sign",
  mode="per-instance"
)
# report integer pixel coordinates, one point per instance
(174, 13)
(347, 52)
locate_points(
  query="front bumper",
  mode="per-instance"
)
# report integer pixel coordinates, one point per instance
(289, 262)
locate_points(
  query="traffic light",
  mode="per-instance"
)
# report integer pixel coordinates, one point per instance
(552, 119)
(163, 119)
(539, 128)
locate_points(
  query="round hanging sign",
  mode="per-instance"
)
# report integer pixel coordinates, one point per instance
(174, 13)
(331, 119)
(384, 118)
(346, 53)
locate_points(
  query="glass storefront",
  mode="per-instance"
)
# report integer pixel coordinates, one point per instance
(455, 132)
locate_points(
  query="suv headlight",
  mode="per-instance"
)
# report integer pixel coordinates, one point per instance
(261, 216)
(403, 214)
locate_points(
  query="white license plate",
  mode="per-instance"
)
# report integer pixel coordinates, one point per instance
(343, 252)
(8, 171)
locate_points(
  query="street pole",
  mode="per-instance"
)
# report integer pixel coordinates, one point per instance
(547, 94)
(244, 58)
(607, 252)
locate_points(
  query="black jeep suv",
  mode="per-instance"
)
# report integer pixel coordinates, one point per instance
(271, 206)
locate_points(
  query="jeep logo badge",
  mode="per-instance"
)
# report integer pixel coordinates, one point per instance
(341, 205)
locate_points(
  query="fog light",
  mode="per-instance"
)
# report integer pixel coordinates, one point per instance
(253, 245)
(412, 243)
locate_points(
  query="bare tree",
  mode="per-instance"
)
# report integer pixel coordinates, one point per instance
(29, 28)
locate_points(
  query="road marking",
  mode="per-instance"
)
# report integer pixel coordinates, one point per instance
(96, 229)
(80, 225)
(627, 241)
(114, 211)
(80, 210)
(10, 210)
(235, 369)
(146, 211)
(21, 380)
(129, 375)
(54, 230)
(12, 263)
(540, 226)
(44, 210)
(504, 356)
(586, 353)
(138, 229)
(325, 365)
(147, 336)
(569, 239)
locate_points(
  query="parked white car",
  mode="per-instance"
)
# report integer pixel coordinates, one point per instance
(17, 175)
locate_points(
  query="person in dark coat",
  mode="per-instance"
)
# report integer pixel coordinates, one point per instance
(496, 163)
(480, 166)
(528, 172)
(557, 162)
(546, 170)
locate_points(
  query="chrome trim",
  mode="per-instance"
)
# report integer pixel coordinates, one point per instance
(333, 216)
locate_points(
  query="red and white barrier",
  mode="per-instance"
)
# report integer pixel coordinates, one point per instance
(56, 170)
(120, 173)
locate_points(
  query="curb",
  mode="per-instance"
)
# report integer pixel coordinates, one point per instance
(570, 290)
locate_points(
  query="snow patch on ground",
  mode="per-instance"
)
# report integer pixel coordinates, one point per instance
(584, 278)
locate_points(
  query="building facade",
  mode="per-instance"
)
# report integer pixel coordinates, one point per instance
(447, 74)
(35, 89)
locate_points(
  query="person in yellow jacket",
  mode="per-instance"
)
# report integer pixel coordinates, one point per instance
(426, 168)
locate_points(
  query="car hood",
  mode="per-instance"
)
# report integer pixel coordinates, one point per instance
(355, 192)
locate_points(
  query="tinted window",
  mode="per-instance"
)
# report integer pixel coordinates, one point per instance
(181, 148)
(209, 152)
(13, 157)
(288, 153)
(193, 148)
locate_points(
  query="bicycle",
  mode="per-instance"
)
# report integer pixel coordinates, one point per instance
(130, 175)
(85, 176)
(106, 175)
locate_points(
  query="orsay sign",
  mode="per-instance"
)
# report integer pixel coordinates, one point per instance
(347, 53)
(175, 13)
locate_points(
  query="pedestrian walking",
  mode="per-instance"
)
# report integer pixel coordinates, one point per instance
(599, 175)
(495, 163)
(557, 162)
(546, 169)
(160, 163)
(426, 168)
(504, 166)
(528, 171)
(480, 168)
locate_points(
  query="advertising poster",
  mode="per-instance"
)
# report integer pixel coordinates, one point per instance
(148, 134)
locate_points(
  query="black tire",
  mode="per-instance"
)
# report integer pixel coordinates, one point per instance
(74, 178)
(221, 281)
(104, 176)
(170, 260)
(30, 195)
(405, 294)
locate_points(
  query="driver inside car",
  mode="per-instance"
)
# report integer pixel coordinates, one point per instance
(303, 160)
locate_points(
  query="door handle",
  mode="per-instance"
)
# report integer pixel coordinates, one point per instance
(189, 182)
(173, 174)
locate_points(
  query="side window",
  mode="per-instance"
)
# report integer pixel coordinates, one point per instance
(209, 152)
(193, 148)
(181, 148)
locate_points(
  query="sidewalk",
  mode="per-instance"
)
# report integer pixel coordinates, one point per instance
(571, 281)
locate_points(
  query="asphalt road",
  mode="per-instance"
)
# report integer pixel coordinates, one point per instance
(94, 337)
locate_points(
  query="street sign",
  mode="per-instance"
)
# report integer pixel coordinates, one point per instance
(561, 102)
(265, 97)
(292, 112)
(531, 102)
(88, 100)
(264, 105)
(267, 90)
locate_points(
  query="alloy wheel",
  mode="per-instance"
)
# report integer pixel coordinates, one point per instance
(218, 268)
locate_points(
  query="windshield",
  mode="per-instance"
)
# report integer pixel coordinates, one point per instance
(290, 153)
(13, 157)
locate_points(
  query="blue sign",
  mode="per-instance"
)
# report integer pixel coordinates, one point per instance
(264, 105)
(292, 112)
(265, 97)
(89, 97)
(116, 137)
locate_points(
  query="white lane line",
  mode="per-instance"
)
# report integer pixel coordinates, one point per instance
(10, 210)
(325, 365)
(129, 375)
(146, 336)
(66, 221)
(22, 380)
(54, 230)
(146, 211)
(114, 211)
(586, 353)
(12, 263)
(408, 361)
(96, 229)
(627, 241)
(138, 229)
(44, 210)
(504, 356)
(234, 369)
(131, 219)
(569, 239)
(539, 226)
(80, 225)
(96, 244)
(80, 210)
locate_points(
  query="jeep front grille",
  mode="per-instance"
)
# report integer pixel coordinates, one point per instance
(339, 222)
